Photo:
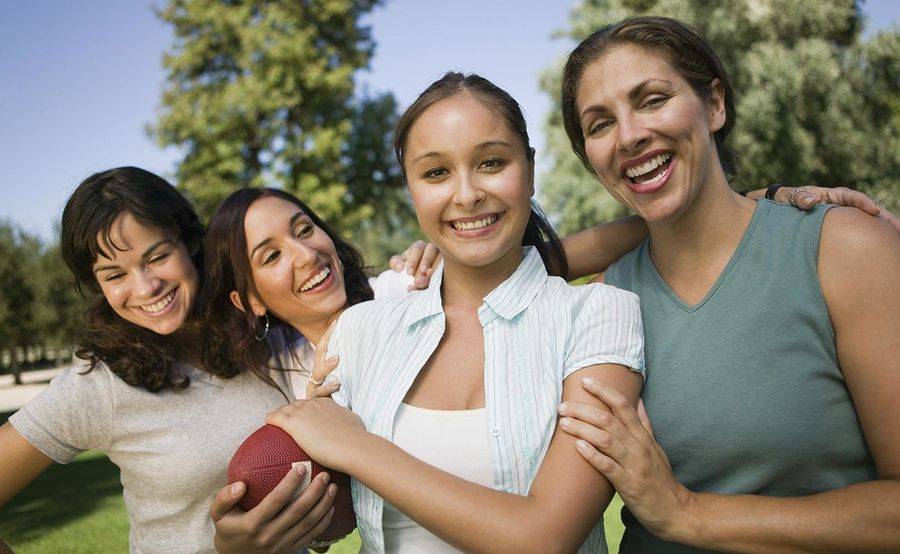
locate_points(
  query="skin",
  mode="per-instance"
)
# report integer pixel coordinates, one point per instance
(454, 174)
(695, 222)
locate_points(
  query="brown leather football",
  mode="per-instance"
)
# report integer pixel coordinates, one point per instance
(266, 456)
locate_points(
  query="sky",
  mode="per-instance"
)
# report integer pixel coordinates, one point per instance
(82, 79)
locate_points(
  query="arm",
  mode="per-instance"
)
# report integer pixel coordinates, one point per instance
(566, 500)
(859, 269)
(20, 464)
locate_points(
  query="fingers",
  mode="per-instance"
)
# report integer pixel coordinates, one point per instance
(397, 262)
(599, 438)
(413, 256)
(601, 462)
(617, 404)
(304, 513)
(309, 538)
(803, 197)
(842, 196)
(325, 390)
(890, 218)
(280, 496)
(643, 417)
(321, 369)
(226, 499)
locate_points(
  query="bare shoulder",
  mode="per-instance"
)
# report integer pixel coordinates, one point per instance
(848, 234)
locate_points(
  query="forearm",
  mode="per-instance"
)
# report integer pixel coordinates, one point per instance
(860, 518)
(596, 248)
(469, 516)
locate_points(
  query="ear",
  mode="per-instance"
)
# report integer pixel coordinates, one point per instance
(716, 115)
(258, 309)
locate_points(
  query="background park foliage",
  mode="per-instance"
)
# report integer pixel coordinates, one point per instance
(815, 103)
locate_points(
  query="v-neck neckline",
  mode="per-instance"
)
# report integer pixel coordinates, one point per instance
(735, 257)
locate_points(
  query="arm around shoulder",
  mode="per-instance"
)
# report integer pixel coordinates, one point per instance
(20, 465)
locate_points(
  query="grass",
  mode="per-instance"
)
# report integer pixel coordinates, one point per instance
(79, 508)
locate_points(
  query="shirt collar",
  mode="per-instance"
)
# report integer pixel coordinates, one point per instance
(508, 300)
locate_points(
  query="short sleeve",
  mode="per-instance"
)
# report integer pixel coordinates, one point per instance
(391, 284)
(606, 330)
(73, 414)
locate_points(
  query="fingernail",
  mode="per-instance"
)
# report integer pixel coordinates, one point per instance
(587, 381)
(581, 445)
(565, 422)
(325, 478)
(236, 488)
(332, 360)
(332, 489)
(409, 269)
(562, 407)
(301, 469)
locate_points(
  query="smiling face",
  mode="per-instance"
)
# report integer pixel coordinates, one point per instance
(294, 264)
(471, 182)
(146, 275)
(648, 135)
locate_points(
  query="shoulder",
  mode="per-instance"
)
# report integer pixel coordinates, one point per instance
(852, 231)
(625, 269)
(390, 284)
(376, 317)
(591, 297)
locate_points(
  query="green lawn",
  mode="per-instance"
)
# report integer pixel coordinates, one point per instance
(79, 508)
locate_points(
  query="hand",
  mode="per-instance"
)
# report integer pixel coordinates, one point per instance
(419, 259)
(325, 431)
(277, 524)
(322, 367)
(839, 196)
(621, 447)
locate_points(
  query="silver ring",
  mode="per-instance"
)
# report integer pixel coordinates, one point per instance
(316, 383)
(791, 199)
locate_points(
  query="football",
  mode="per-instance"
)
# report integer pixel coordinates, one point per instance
(266, 456)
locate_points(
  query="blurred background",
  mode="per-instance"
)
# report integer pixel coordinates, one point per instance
(299, 94)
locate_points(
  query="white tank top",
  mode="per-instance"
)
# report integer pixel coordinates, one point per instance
(455, 441)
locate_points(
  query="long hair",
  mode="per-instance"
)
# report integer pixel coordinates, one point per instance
(538, 232)
(230, 344)
(137, 355)
(686, 51)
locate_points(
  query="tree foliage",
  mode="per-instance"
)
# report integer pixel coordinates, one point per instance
(261, 93)
(816, 104)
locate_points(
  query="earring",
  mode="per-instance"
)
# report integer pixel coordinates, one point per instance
(265, 331)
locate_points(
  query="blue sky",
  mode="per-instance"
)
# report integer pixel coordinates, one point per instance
(81, 79)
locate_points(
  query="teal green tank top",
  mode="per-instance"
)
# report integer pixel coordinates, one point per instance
(743, 389)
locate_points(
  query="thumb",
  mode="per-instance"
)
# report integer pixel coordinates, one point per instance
(807, 200)
(226, 499)
(643, 417)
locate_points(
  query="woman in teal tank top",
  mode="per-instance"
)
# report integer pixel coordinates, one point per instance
(773, 357)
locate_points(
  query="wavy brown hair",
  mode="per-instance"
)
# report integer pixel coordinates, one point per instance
(538, 231)
(230, 344)
(137, 355)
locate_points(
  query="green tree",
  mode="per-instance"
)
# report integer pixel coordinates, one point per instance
(815, 103)
(58, 312)
(17, 325)
(261, 93)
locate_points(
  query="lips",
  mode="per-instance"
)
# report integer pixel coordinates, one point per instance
(475, 226)
(159, 306)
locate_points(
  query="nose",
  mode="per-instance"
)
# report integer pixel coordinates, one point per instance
(303, 255)
(467, 194)
(147, 284)
(633, 135)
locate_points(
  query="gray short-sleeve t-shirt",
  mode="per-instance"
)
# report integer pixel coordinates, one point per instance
(172, 447)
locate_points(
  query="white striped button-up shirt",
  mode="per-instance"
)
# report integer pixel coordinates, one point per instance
(538, 330)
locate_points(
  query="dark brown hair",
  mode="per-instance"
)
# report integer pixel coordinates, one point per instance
(538, 232)
(691, 56)
(230, 344)
(137, 355)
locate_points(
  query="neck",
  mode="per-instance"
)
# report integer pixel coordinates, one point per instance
(466, 286)
(709, 228)
(314, 330)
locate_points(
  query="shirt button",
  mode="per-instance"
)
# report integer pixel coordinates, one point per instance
(495, 432)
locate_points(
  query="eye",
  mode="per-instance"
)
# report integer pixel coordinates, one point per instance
(271, 257)
(159, 258)
(113, 277)
(492, 163)
(599, 126)
(304, 231)
(655, 101)
(435, 173)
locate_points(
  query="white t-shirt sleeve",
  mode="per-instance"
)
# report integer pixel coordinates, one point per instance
(340, 345)
(607, 330)
(391, 284)
(73, 414)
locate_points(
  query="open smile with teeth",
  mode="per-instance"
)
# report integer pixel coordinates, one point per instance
(316, 279)
(157, 307)
(650, 171)
(473, 225)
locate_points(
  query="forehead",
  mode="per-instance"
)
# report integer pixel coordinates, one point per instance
(456, 122)
(618, 71)
(127, 238)
(267, 215)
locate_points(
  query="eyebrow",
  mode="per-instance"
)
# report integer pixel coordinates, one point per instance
(147, 253)
(633, 94)
(267, 240)
(482, 146)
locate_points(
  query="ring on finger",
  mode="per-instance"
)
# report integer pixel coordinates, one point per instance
(316, 383)
(793, 194)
